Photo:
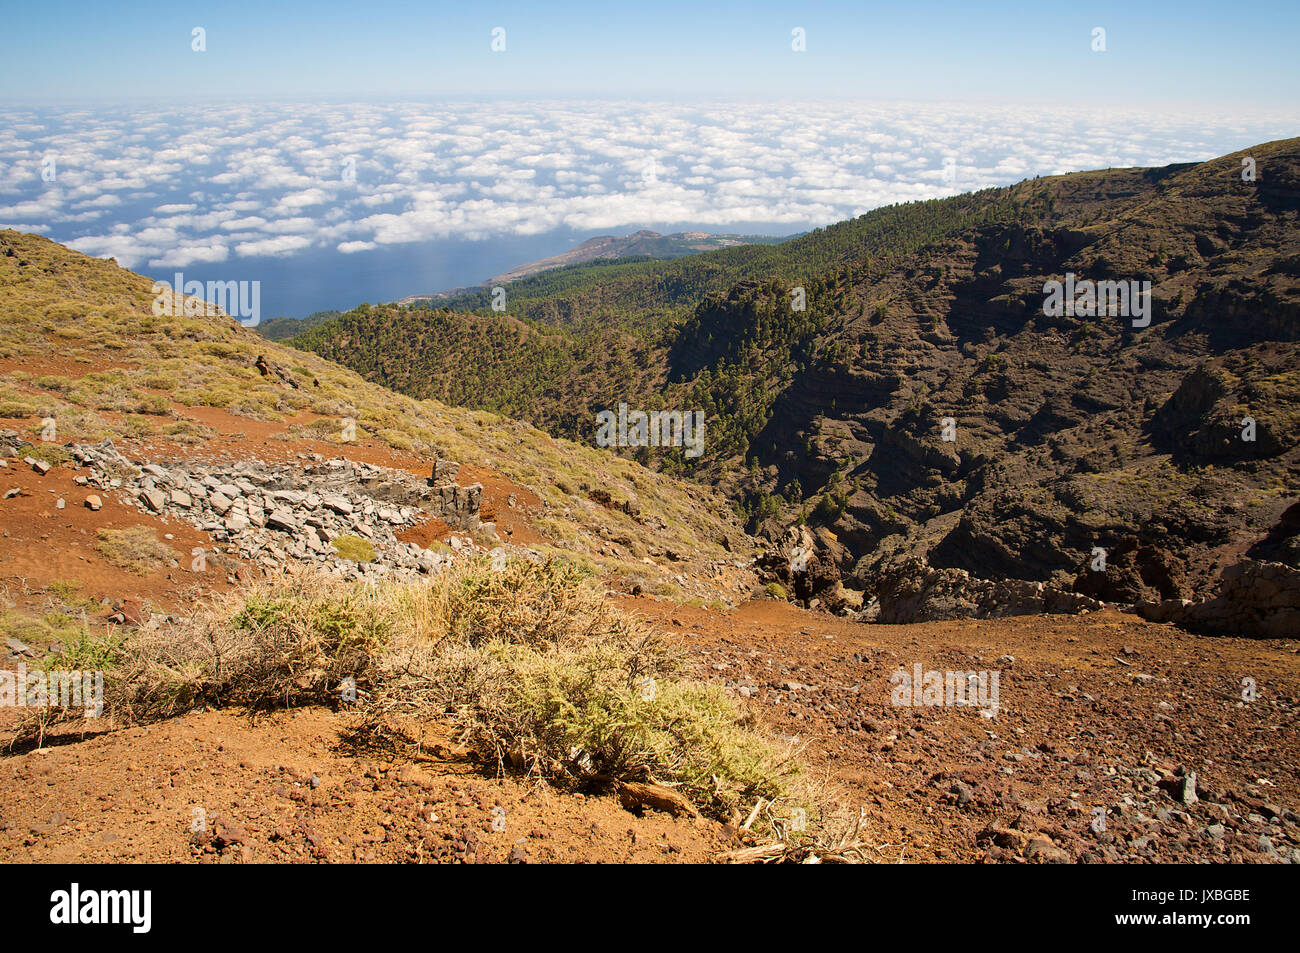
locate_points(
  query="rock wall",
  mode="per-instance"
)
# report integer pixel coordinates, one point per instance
(275, 513)
(1255, 598)
(907, 589)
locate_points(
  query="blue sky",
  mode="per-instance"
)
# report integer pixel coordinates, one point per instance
(1162, 52)
(331, 204)
(341, 152)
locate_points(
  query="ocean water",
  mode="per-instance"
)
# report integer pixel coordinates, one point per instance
(324, 279)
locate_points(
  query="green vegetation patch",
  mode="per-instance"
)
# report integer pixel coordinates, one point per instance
(354, 548)
(136, 549)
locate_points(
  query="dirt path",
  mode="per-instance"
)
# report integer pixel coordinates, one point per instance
(1096, 712)
(1076, 730)
(1101, 719)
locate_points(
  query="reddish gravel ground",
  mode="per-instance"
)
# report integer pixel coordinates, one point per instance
(1076, 731)
(1102, 720)
(1100, 712)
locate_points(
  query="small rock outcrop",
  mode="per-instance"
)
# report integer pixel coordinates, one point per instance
(907, 589)
(271, 514)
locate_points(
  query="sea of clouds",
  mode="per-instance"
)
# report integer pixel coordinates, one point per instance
(170, 187)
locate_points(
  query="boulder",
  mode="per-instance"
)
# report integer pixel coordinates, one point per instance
(282, 518)
(803, 568)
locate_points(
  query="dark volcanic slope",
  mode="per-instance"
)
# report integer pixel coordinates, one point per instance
(1072, 432)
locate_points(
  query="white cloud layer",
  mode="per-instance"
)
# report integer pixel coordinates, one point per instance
(211, 184)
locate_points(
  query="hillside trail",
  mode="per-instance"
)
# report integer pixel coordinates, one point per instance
(1101, 719)
(1075, 731)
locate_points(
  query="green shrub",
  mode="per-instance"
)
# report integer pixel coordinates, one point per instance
(51, 453)
(136, 549)
(543, 676)
(354, 548)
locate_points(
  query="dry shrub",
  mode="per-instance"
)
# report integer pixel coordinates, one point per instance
(136, 549)
(529, 666)
(532, 604)
(537, 672)
(288, 642)
(836, 836)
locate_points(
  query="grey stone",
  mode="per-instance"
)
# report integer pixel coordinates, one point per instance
(282, 518)
(18, 648)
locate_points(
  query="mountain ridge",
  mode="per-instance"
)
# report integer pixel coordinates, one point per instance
(919, 313)
(640, 244)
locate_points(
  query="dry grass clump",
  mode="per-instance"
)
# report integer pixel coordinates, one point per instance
(536, 672)
(527, 665)
(136, 549)
(275, 644)
(76, 651)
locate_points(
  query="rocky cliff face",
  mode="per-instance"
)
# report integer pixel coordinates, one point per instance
(275, 515)
(972, 433)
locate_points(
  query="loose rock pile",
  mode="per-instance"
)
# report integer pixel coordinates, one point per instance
(907, 589)
(1255, 598)
(274, 514)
